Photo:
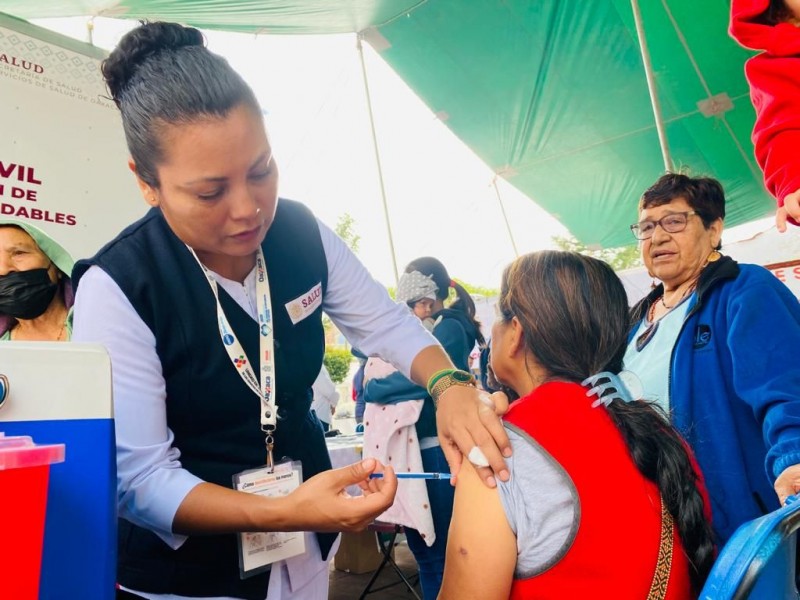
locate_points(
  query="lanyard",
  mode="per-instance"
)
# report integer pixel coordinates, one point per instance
(265, 388)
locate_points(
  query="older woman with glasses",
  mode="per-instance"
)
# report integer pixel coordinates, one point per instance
(710, 345)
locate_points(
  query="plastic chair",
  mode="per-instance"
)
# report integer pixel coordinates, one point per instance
(758, 562)
(386, 534)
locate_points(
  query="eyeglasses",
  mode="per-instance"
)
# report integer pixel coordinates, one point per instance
(672, 223)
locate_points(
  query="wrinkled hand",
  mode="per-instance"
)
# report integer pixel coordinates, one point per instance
(324, 505)
(465, 421)
(790, 208)
(788, 483)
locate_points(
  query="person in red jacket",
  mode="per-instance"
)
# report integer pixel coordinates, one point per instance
(604, 499)
(773, 27)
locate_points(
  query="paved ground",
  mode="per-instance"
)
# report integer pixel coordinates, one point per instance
(348, 586)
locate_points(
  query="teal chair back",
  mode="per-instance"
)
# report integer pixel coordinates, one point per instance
(758, 562)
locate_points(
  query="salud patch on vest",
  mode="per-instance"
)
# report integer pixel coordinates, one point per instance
(304, 305)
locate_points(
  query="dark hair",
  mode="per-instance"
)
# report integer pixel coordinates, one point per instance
(432, 267)
(162, 73)
(703, 194)
(777, 12)
(574, 315)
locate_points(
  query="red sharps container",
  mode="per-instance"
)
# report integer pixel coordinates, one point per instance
(24, 471)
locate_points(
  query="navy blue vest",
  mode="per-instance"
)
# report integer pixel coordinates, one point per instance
(212, 412)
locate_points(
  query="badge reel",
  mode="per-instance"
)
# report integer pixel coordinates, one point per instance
(258, 550)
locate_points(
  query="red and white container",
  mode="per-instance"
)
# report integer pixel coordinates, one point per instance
(24, 473)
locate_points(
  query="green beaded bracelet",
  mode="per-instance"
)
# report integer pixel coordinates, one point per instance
(437, 376)
(456, 377)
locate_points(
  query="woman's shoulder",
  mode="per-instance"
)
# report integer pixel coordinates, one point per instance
(133, 234)
(451, 320)
(445, 323)
(750, 274)
(754, 270)
(541, 505)
(293, 207)
(133, 240)
(293, 221)
(552, 397)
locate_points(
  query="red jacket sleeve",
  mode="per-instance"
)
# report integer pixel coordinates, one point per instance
(775, 92)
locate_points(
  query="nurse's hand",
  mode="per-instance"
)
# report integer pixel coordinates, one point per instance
(322, 504)
(469, 420)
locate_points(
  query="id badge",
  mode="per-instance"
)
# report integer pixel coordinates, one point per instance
(258, 550)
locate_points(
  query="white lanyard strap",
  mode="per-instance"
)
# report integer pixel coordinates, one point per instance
(265, 388)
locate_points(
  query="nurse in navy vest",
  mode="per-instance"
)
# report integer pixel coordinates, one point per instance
(210, 307)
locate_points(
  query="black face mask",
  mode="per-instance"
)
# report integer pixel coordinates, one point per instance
(26, 294)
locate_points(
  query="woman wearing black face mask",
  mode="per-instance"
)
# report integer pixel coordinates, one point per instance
(35, 290)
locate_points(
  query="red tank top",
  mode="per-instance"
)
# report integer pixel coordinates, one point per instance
(613, 552)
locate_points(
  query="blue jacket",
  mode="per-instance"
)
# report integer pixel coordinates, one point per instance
(457, 335)
(734, 386)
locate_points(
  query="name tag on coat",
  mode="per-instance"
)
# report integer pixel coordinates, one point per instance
(305, 304)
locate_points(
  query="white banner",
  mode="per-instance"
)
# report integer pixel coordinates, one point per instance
(63, 159)
(788, 273)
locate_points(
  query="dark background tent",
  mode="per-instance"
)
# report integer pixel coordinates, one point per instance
(551, 94)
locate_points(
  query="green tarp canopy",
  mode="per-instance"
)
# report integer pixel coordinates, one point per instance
(551, 94)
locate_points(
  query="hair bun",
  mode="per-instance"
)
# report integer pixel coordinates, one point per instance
(138, 45)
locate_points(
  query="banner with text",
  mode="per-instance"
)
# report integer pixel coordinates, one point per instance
(63, 159)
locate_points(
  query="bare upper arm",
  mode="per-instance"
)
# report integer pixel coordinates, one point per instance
(481, 548)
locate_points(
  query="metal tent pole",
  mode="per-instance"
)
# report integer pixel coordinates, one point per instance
(651, 86)
(378, 159)
(505, 217)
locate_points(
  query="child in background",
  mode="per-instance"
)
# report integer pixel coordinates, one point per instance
(773, 27)
(424, 287)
